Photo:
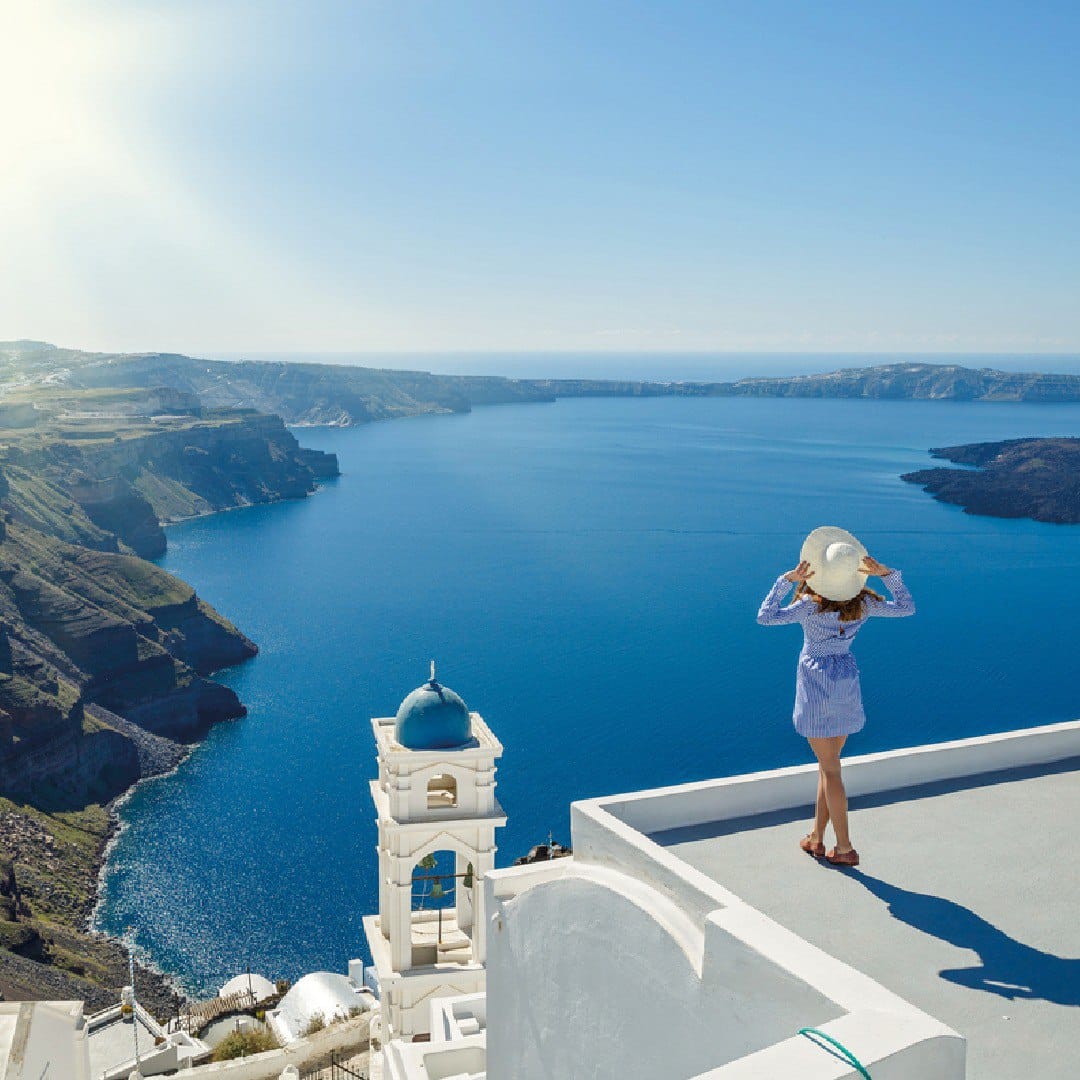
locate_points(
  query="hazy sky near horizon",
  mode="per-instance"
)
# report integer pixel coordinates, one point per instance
(229, 175)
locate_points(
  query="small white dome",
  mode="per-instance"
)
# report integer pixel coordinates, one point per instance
(330, 995)
(259, 985)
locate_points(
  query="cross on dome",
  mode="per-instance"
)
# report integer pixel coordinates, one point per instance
(433, 717)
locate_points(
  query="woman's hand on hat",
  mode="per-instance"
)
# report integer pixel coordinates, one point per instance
(872, 566)
(802, 572)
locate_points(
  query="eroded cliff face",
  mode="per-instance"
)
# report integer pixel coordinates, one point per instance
(105, 659)
(86, 479)
(117, 507)
(102, 658)
(323, 394)
(82, 627)
(346, 395)
(111, 492)
(222, 461)
(86, 622)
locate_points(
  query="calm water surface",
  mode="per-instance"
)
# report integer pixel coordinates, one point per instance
(587, 575)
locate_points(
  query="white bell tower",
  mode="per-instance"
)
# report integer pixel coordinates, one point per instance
(437, 816)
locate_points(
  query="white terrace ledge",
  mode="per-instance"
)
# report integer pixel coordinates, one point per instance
(661, 809)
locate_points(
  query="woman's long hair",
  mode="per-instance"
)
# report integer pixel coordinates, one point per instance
(850, 610)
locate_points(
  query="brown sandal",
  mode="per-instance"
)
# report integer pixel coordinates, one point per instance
(842, 858)
(808, 845)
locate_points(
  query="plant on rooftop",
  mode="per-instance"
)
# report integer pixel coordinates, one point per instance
(240, 1044)
(315, 1024)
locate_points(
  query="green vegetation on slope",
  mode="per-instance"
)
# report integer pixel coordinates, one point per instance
(244, 1043)
(48, 868)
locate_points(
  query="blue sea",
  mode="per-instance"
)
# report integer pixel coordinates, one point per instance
(586, 574)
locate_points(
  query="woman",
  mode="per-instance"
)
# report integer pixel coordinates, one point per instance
(832, 603)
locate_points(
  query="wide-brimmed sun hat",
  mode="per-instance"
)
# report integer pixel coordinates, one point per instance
(835, 557)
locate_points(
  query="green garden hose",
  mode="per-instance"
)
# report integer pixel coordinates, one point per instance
(851, 1058)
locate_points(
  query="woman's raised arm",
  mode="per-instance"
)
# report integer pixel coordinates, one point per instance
(902, 605)
(771, 613)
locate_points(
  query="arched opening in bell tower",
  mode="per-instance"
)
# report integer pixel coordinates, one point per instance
(443, 884)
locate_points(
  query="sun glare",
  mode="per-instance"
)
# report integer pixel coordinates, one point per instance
(57, 65)
(86, 185)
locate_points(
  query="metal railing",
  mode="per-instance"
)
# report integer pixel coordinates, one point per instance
(336, 1070)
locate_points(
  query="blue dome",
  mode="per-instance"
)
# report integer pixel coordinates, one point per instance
(432, 717)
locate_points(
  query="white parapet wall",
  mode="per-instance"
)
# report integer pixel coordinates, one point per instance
(459, 1017)
(916, 1049)
(624, 961)
(869, 774)
(462, 1059)
(347, 1035)
(595, 974)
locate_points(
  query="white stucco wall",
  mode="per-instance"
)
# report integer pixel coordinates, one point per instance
(454, 1018)
(412, 996)
(592, 975)
(410, 970)
(464, 1059)
(404, 774)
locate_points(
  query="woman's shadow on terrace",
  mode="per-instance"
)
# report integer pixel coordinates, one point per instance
(1008, 968)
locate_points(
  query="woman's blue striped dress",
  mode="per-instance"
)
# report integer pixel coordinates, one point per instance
(828, 700)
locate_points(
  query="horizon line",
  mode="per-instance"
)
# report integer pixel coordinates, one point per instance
(208, 352)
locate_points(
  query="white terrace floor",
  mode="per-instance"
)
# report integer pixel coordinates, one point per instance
(113, 1044)
(967, 904)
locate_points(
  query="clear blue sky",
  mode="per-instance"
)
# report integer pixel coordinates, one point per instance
(216, 175)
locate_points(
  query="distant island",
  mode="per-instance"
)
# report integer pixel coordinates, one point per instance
(345, 395)
(107, 661)
(1017, 478)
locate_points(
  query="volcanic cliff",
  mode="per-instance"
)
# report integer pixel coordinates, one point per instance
(105, 658)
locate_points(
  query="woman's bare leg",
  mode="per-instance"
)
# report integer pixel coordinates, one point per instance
(827, 751)
(821, 810)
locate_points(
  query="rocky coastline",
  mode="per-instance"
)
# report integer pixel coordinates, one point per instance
(1017, 478)
(106, 661)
